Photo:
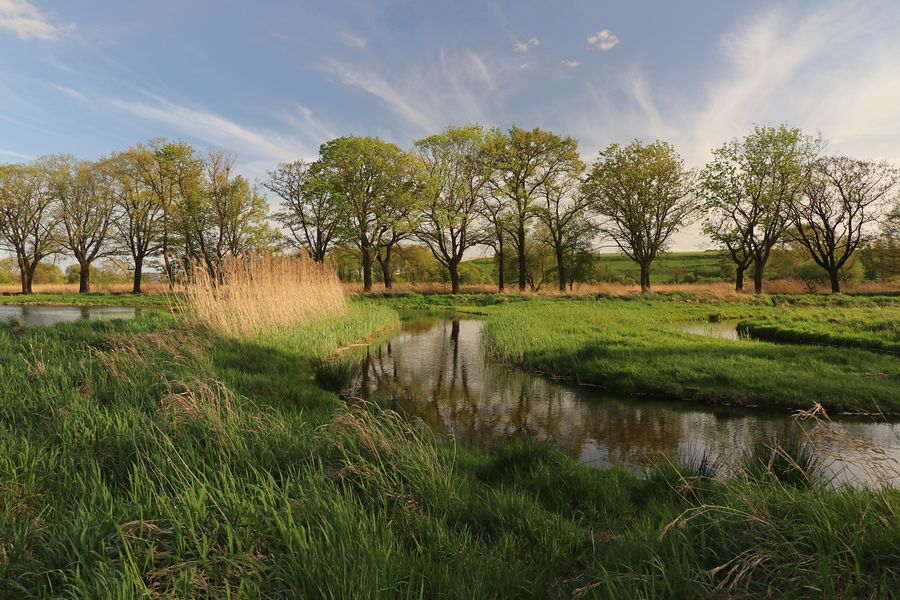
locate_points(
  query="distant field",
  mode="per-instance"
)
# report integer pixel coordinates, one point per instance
(675, 267)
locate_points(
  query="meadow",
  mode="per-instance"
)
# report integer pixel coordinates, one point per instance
(182, 455)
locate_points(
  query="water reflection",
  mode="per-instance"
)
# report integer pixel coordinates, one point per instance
(439, 369)
(26, 314)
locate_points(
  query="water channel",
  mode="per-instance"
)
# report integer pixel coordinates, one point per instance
(437, 367)
(41, 315)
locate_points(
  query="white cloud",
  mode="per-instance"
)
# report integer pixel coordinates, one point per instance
(524, 67)
(352, 39)
(527, 45)
(18, 155)
(26, 21)
(603, 40)
(457, 87)
(214, 129)
(572, 64)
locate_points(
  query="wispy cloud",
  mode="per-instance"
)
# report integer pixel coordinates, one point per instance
(352, 39)
(527, 45)
(213, 129)
(603, 40)
(524, 67)
(18, 155)
(572, 64)
(25, 20)
(457, 87)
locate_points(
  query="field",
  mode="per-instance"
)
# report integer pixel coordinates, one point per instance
(167, 456)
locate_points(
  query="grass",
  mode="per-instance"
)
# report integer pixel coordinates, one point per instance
(634, 347)
(159, 457)
(869, 327)
(90, 299)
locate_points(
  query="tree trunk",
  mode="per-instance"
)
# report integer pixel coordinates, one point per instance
(739, 279)
(385, 264)
(835, 282)
(453, 267)
(501, 267)
(645, 278)
(561, 269)
(367, 270)
(84, 278)
(138, 273)
(758, 268)
(28, 280)
(522, 272)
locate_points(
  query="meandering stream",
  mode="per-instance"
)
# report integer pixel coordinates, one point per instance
(438, 368)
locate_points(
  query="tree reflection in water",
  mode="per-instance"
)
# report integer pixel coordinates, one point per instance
(438, 369)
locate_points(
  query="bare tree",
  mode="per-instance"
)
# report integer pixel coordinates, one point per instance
(29, 223)
(457, 163)
(308, 208)
(84, 200)
(838, 205)
(643, 194)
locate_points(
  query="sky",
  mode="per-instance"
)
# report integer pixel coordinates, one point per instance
(271, 81)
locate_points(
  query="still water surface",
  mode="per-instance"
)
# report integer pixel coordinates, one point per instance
(438, 367)
(26, 314)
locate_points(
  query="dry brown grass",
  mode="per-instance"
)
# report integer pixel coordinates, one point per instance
(720, 289)
(151, 288)
(260, 294)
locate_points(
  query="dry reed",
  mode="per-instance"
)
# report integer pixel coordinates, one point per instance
(261, 293)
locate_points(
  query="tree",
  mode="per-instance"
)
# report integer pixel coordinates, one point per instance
(838, 205)
(374, 185)
(748, 189)
(563, 210)
(308, 209)
(84, 200)
(29, 223)
(643, 194)
(171, 172)
(524, 162)
(223, 216)
(496, 216)
(456, 160)
(139, 216)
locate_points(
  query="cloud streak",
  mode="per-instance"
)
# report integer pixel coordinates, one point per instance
(23, 19)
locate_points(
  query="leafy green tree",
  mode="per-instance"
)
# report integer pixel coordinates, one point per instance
(643, 194)
(29, 221)
(748, 189)
(376, 187)
(523, 164)
(839, 204)
(308, 208)
(457, 161)
(172, 173)
(139, 215)
(84, 200)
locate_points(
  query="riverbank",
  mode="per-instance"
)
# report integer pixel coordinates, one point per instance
(151, 457)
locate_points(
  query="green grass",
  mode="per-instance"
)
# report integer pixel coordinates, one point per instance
(869, 327)
(634, 347)
(89, 299)
(143, 458)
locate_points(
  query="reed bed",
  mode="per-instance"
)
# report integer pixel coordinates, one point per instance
(261, 293)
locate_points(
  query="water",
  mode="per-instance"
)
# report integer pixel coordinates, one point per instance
(438, 368)
(26, 314)
(723, 331)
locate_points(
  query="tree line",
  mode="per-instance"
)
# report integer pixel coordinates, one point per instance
(464, 187)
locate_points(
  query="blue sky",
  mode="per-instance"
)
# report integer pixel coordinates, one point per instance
(272, 80)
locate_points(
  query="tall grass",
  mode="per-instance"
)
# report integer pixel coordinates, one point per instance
(262, 293)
